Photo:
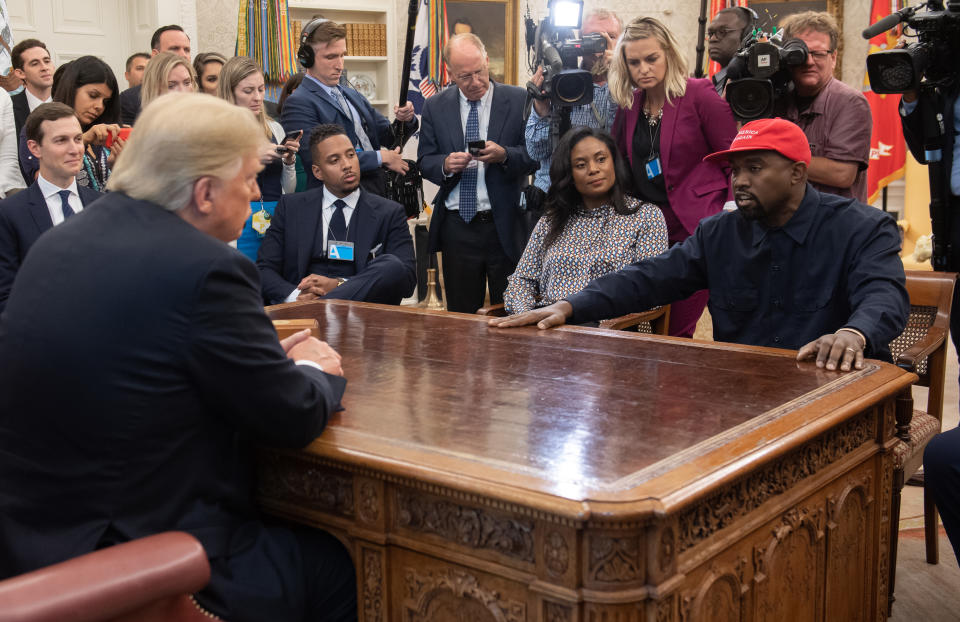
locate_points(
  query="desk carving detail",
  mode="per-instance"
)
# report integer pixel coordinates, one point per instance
(464, 525)
(456, 595)
(556, 554)
(296, 481)
(372, 586)
(721, 509)
(614, 560)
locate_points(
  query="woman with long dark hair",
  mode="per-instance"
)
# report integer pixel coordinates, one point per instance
(87, 85)
(590, 225)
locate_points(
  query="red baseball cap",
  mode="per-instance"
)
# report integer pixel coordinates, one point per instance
(778, 135)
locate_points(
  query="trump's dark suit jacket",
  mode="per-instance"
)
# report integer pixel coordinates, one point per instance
(287, 248)
(23, 218)
(442, 134)
(136, 367)
(310, 106)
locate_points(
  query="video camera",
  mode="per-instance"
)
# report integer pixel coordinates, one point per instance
(760, 74)
(932, 58)
(557, 51)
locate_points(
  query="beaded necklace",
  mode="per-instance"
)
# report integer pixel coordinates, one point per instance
(97, 182)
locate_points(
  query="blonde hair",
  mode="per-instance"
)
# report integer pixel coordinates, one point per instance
(155, 76)
(178, 139)
(799, 23)
(233, 73)
(618, 78)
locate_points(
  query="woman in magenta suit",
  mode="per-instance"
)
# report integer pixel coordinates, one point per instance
(666, 123)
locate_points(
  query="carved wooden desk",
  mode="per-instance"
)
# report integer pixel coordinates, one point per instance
(588, 475)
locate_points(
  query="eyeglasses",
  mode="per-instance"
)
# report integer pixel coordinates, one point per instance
(469, 77)
(820, 55)
(719, 33)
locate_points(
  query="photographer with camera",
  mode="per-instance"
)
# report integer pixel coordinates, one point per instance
(597, 114)
(835, 117)
(724, 35)
(666, 124)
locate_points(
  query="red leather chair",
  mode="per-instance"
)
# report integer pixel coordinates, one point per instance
(147, 580)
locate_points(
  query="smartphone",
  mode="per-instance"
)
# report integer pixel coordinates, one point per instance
(295, 134)
(475, 146)
(124, 134)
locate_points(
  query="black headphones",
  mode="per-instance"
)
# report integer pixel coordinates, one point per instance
(752, 18)
(305, 53)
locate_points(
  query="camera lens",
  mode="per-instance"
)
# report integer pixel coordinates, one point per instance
(750, 99)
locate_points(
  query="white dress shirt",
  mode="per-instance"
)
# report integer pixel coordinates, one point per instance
(483, 199)
(327, 213)
(51, 193)
(33, 101)
(10, 176)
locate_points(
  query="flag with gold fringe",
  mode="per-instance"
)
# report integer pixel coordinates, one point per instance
(263, 34)
(428, 74)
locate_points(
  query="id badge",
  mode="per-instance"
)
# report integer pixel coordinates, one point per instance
(261, 222)
(340, 251)
(653, 168)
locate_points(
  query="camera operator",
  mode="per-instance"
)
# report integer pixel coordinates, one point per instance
(599, 114)
(940, 462)
(835, 117)
(724, 35)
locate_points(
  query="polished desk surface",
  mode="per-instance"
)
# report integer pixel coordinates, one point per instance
(576, 421)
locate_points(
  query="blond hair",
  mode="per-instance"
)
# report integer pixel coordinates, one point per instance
(235, 71)
(155, 76)
(799, 23)
(178, 139)
(618, 78)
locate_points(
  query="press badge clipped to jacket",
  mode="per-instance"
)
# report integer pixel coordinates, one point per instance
(340, 251)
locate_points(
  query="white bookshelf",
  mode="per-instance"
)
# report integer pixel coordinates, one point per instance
(383, 70)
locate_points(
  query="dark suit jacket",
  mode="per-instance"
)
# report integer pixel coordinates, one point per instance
(21, 109)
(129, 105)
(136, 368)
(310, 105)
(913, 133)
(442, 134)
(287, 248)
(23, 217)
(694, 126)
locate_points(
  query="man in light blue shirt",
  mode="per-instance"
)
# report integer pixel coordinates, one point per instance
(598, 114)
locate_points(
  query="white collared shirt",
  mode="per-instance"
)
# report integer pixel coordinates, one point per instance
(326, 212)
(33, 101)
(51, 194)
(483, 199)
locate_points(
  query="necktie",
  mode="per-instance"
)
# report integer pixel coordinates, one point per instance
(468, 180)
(65, 204)
(357, 127)
(338, 224)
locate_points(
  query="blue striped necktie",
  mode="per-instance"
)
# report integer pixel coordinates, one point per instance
(468, 180)
(65, 204)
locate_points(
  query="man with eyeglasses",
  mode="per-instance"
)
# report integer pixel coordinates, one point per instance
(834, 116)
(472, 146)
(724, 36)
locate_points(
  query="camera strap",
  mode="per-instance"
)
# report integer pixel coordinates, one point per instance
(600, 119)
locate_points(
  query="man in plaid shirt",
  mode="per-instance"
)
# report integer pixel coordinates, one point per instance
(599, 113)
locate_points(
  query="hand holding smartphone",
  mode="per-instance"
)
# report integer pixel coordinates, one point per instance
(474, 147)
(123, 134)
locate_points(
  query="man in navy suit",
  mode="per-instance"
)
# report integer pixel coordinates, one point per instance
(338, 241)
(476, 216)
(31, 63)
(138, 369)
(54, 137)
(321, 99)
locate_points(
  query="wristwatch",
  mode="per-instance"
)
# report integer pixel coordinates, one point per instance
(340, 281)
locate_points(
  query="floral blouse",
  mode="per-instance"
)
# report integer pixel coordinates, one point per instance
(593, 243)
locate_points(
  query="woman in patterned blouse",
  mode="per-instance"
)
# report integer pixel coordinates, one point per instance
(589, 227)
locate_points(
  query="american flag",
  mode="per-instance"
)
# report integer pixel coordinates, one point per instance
(428, 88)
